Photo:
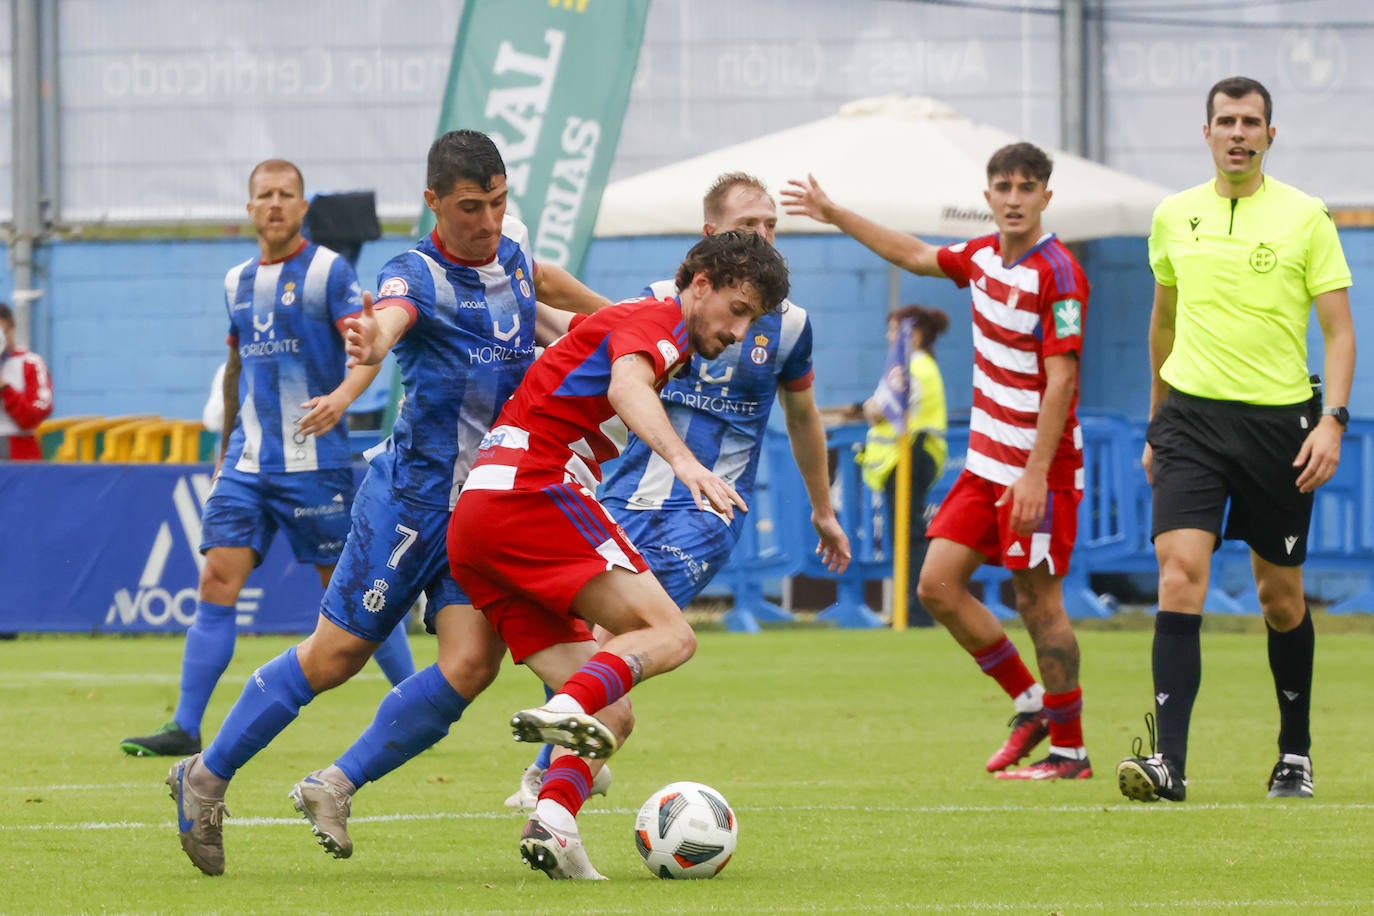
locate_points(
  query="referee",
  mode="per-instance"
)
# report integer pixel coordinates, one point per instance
(1238, 262)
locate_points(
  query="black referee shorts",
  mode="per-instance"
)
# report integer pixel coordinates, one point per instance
(1208, 453)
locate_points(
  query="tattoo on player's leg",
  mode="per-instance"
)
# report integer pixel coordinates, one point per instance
(636, 665)
(1058, 667)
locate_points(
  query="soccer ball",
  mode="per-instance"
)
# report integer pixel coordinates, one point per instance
(686, 830)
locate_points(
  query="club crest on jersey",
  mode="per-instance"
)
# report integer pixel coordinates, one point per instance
(668, 351)
(288, 295)
(394, 286)
(759, 354)
(374, 599)
(1068, 318)
(523, 284)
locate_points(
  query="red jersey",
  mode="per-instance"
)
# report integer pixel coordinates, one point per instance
(25, 402)
(559, 425)
(1022, 313)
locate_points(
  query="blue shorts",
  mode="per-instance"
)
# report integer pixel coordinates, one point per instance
(684, 548)
(396, 550)
(245, 510)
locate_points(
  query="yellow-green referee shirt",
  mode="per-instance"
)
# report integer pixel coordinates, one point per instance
(1247, 271)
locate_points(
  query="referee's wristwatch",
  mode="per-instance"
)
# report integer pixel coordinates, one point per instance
(1340, 413)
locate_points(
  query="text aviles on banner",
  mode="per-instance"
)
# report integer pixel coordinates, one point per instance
(548, 80)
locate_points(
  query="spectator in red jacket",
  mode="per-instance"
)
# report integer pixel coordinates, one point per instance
(26, 393)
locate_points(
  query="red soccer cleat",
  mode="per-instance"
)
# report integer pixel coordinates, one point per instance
(1052, 767)
(1027, 730)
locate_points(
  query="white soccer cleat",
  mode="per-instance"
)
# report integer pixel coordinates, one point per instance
(583, 734)
(601, 782)
(557, 854)
(527, 796)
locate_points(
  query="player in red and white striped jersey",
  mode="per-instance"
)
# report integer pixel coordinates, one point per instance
(1016, 502)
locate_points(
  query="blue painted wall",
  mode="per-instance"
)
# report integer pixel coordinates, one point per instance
(138, 326)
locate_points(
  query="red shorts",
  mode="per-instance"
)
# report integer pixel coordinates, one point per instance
(523, 555)
(970, 516)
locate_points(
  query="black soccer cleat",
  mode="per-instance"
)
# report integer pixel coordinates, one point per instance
(168, 741)
(1150, 778)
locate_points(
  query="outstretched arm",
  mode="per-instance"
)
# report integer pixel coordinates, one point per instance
(807, 435)
(634, 398)
(370, 334)
(560, 289)
(805, 198)
(549, 323)
(324, 411)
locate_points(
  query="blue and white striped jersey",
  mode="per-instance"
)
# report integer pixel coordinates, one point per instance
(283, 318)
(470, 341)
(720, 409)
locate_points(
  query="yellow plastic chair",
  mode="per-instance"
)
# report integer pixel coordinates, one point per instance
(150, 444)
(118, 444)
(51, 431)
(85, 441)
(184, 444)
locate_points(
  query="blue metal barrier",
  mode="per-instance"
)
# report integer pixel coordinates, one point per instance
(861, 517)
(1341, 538)
(1113, 526)
(770, 542)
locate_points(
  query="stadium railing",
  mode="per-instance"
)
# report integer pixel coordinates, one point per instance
(862, 519)
(1113, 527)
(771, 542)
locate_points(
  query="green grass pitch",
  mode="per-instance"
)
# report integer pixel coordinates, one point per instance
(854, 761)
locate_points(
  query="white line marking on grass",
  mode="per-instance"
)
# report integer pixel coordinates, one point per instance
(78, 788)
(106, 678)
(621, 812)
(17, 681)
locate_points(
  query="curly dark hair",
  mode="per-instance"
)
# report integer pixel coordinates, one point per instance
(736, 257)
(463, 155)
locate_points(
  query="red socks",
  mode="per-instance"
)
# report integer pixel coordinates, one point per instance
(568, 781)
(1002, 663)
(1064, 710)
(599, 683)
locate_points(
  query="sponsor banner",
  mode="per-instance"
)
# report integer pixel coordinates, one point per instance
(548, 81)
(114, 549)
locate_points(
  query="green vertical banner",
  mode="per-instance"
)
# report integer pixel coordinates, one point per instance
(548, 81)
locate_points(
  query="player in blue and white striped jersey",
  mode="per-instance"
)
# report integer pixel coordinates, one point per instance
(285, 460)
(459, 309)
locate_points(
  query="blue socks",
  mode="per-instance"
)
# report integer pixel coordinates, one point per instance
(546, 752)
(412, 718)
(393, 655)
(209, 648)
(270, 701)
